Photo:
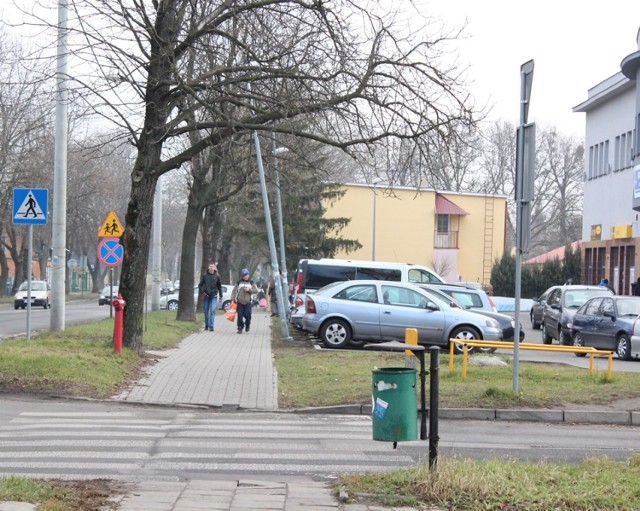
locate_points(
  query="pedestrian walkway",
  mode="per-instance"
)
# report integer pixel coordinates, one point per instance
(227, 370)
(220, 369)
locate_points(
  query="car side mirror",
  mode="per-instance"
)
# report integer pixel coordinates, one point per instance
(609, 315)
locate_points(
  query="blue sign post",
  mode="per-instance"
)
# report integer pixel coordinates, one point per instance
(30, 206)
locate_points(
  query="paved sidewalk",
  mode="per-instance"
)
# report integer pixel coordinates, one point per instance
(220, 368)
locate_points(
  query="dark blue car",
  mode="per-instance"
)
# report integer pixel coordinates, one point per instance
(606, 322)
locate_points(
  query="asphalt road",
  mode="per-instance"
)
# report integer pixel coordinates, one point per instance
(87, 440)
(14, 322)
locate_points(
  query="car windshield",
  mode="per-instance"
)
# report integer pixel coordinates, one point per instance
(35, 286)
(629, 307)
(576, 298)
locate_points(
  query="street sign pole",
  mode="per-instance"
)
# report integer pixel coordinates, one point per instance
(526, 75)
(29, 277)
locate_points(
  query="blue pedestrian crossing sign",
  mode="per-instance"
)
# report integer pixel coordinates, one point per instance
(30, 206)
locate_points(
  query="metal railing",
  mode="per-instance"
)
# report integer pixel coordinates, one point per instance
(592, 352)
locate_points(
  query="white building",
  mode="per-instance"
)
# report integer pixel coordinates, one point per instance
(610, 228)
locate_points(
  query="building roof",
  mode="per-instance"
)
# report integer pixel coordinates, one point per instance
(556, 253)
(445, 207)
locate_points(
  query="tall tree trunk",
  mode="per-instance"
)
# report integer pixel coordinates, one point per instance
(136, 239)
(187, 309)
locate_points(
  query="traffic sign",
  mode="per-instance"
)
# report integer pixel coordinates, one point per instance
(111, 227)
(110, 252)
(30, 206)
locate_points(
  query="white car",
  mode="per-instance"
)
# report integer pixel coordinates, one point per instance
(171, 301)
(105, 295)
(39, 295)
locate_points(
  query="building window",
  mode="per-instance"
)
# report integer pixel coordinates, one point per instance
(442, 223)
(446, 237)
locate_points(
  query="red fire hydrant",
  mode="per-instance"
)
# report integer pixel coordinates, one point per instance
(118, 305)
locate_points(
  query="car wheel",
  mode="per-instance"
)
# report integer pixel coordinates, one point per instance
(534, 325)
(225, 305)
(564, 339)
(465, 333)
(357, 344)
(46, 304)
(16, 307)
(623, 347)
(335, 333)
(546, 338)
(23, 307)
(172, 305)
(578, 342)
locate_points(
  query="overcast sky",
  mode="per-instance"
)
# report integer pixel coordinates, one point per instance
(575, 44)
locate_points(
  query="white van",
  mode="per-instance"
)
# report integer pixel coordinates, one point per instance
(312, 274)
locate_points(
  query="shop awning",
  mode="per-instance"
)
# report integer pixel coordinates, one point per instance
(445, 207)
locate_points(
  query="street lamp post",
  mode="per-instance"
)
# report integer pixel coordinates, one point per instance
(373, 237)
(285, 285)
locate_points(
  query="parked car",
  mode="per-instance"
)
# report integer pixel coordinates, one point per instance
(560, 308)
(507, 323)
(40, 295)
(171, 301)
(469, 297)
(105, 295)
(312, 274)
(537, 309)
(373, 310)
(634, 341)
(607, 323)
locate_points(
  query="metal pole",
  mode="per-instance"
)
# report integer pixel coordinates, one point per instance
(284, 330)
(434, 391)
(526, 71)
(283, 258)
(59, 223)
(29, 277)
(373, 238)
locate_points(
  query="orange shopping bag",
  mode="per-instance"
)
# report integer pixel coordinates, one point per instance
(231, 312)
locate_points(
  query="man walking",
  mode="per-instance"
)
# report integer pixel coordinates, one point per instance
(242, 295)
(211, 288)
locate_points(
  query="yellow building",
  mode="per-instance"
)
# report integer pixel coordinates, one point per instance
(459, 235)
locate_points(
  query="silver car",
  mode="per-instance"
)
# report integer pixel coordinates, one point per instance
(373, 310)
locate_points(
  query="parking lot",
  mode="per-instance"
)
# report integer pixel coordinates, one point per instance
(533, 336)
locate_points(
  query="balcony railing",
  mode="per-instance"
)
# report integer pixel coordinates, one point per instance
(446, 239)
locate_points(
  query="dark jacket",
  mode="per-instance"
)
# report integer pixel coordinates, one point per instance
(210, 284)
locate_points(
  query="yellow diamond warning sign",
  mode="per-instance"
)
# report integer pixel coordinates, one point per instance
(111, 227)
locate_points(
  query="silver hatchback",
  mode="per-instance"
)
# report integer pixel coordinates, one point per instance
(362, 310)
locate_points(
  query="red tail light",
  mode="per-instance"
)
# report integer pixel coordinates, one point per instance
(311, 306)
(299, 301)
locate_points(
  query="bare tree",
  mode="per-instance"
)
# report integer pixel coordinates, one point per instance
(557, 206)
(344, 66)
(25, 147)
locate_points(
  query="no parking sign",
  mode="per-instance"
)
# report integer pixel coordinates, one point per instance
(110, 252)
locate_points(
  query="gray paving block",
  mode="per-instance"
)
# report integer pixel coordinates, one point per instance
(532, 415)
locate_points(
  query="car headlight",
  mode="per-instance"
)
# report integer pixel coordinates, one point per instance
(513, 323)
(569, 324)
(492, 323)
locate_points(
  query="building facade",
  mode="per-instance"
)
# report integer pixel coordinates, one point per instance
(459, 235)
(610, 229)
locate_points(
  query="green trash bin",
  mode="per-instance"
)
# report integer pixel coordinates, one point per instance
(394, 407)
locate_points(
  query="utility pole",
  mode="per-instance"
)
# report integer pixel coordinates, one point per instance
(59, 222)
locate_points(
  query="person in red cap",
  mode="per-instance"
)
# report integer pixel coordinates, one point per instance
(242, 296)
